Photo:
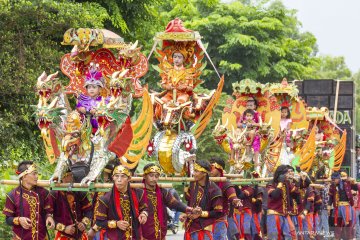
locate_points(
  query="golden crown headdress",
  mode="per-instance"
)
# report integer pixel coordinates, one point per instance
(152, 169)
(121, 170)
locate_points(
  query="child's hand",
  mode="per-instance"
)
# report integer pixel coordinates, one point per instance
(82, 110)
(92, 111)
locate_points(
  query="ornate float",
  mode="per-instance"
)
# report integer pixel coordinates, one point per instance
(286, 131)
(181, 112)
(104, 81)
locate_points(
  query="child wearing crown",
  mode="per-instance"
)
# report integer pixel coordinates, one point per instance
(86, 103)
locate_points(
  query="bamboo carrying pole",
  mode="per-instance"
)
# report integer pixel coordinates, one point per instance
(211, 178)
(319, 186)
(180, 179)
(46, 183)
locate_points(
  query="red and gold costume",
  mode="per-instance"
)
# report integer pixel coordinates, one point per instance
(209, 198)
(278, 221)
(157, 200)
(35, 205)
(117, 206)
(70, 208)
(342, 200)
(249, 212)
(180, 79)
(222, 227)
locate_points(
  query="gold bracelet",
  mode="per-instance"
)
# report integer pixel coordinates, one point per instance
(96, 228)
(60, 227)
(204, 214)
(85, 221)
(16, 221)
(112, 224)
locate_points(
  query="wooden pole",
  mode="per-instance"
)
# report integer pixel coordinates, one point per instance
(330, 180)
(227, 175)
(251, 179)
(319, 186)
(336, 99)
(46, 183)
(180, 179)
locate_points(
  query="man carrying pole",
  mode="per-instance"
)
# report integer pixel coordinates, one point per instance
(122, 210)
(206, 197)
(27, 207)
(157, 200)
(225, 225)
(72, 212)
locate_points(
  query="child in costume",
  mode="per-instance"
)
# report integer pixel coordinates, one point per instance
(253, 139)
(286, 155)
(285, 121)
(251, 104)
(86, 104)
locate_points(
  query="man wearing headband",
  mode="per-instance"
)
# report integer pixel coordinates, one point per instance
(342, 200)
(317, 210)
(279, 197)
(296, 201)
(106, 178)
(324, 215)
(72, 212)
(27, 207)
(157, 200)
(231, 201)
(122, 210)
(206, 197)
(307, 207)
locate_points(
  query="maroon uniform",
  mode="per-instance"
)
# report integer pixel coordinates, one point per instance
(34, 204)
(70, 208)
(229, 194)
(156, 225)
(279, 222)
(211, 201)
(130, 205)
(341, 198)
(250, 212)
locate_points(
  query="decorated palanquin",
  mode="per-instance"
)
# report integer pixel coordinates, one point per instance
(292, 139)
(181, 113)
(85, 139)
(234, 139)
(328, 143)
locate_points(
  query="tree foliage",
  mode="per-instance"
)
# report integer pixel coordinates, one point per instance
(260, 41)
(30, 36)
(329, 67)
(128, 15)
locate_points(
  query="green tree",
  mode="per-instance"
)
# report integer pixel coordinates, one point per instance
(129, 16)
(260, 41)
(30, 36)
(329, 67)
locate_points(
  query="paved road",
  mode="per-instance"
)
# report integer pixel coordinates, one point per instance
(178, 236)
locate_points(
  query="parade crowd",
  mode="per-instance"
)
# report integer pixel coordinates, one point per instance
(288, 207)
